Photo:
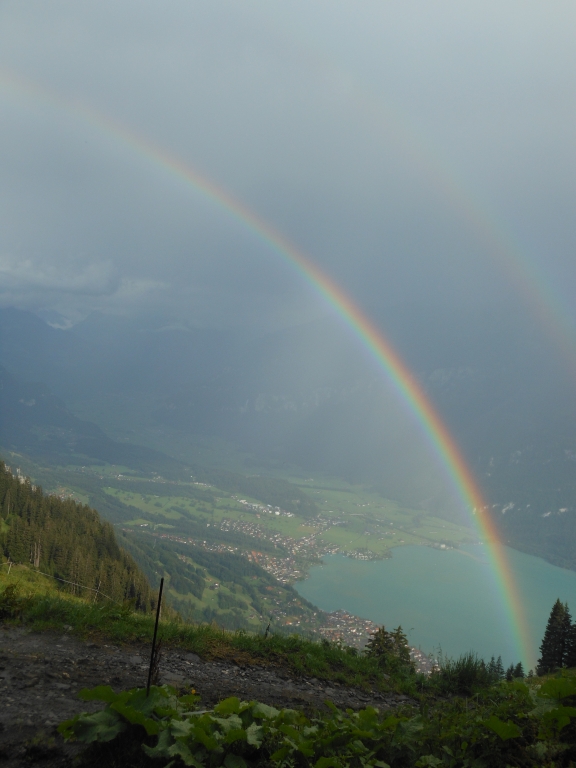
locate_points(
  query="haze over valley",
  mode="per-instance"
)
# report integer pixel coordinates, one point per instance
(247, 253)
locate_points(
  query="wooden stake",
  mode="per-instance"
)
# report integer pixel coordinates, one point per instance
(154, 638)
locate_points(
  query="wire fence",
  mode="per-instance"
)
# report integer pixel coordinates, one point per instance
(65, 581)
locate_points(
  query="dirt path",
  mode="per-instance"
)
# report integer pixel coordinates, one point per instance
(42, 673)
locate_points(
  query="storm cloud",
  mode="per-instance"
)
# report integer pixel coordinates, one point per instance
(404, 147)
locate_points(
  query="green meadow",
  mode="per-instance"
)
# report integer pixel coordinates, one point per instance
(350, 518)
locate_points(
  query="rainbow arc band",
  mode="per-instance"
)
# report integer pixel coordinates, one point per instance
(369, 336)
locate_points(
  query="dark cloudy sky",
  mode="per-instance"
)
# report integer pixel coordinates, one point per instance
(399, 144)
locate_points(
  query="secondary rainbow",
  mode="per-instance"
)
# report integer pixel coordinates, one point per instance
(385, 356)
(501, 244)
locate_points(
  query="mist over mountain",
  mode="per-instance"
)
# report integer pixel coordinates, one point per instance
(195, 202)
(308, 397)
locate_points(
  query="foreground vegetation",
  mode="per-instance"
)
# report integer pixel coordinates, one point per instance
(511, 724)
(462, 715)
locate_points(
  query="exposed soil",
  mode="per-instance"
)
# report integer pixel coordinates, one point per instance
(42, 673)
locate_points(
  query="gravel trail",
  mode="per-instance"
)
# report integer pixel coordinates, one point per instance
(41, 675)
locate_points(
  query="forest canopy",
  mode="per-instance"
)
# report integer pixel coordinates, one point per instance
(68, 541)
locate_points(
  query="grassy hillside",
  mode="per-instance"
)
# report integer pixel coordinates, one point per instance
(68, 541)
(223, 587)
(233, 558)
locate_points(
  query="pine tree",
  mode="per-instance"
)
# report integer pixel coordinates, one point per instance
(555, 641)
(570, 647)
(566, 632)
(68, 541)
(519, 670)
(388, 646)
(510, 673)
(499, 668)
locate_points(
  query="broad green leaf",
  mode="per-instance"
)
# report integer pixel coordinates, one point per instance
(235, 734)
(100, 693)
(306, 747)
(199, 734)
(390, 722)
(505, 731)
(228, 724)
(181, 729)
(558, 688)
(165, 741)
(136, 717)
(407, 731)
(255, 735)
(182, 750)
(101, 726)
(559, 716)
(229, 706)
(290, 731)
(263, 710)
(189, 700)
(66, 729)
(280, 754)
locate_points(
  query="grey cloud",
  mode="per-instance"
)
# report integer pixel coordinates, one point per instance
(22, 274)
(341, 124)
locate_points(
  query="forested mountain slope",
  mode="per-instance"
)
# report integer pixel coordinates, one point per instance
(67, 540)
(223, 587)
(303, 398)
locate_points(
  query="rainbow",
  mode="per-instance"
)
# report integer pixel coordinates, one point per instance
(373, 340)
(501, 244)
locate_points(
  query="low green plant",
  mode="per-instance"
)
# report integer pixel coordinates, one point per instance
(511, 724)
(12, 603)
(237, 734)
(463, 676)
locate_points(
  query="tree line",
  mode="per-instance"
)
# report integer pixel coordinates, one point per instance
(68, 541)
(558, 648)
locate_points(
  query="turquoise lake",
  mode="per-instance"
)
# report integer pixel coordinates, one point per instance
(444, 599)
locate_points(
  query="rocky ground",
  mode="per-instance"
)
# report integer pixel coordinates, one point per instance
(42, 673)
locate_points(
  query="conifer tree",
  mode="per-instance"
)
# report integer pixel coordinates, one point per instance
(555, 641)
(68, 541)
(499, 668)
(566, 632)
(519, 670)
(510, 673)
(388, 646)
(570, 647)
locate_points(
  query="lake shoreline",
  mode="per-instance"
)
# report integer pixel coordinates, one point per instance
(448, 599)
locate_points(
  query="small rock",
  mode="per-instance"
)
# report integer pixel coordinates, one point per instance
(192, 657)
(62, 686)
(136, 660)
(173, 677)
